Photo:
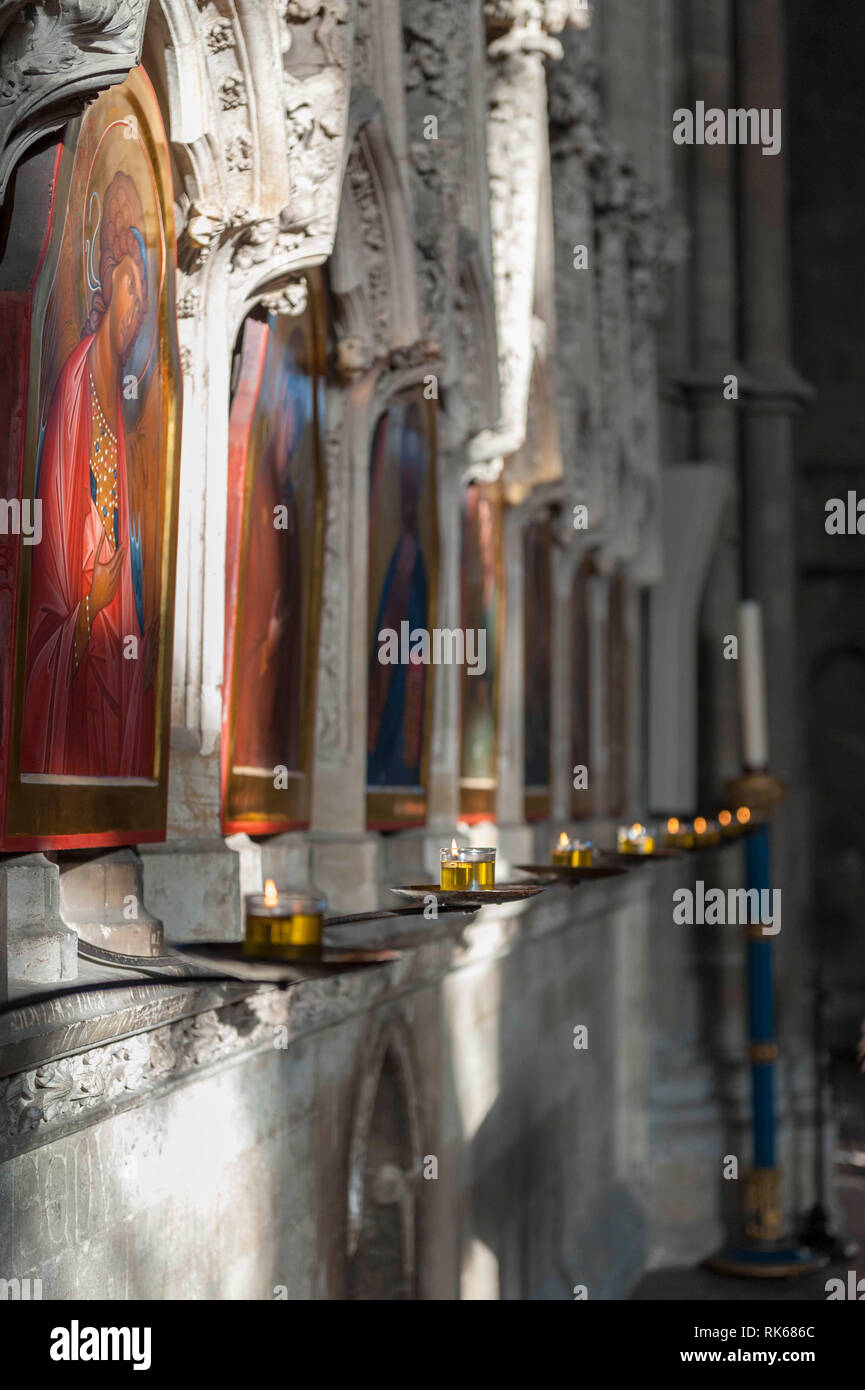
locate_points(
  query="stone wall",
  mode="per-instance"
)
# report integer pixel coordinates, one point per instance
(284, 1139)
(177, 1139)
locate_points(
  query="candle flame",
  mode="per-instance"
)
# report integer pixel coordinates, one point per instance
(271, 897)
(672, 825)
(563, 839)
(724, 817)
(700, 825)
(455, 850)
(743, 815)
(636, 829)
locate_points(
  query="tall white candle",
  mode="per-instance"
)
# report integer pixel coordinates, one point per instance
(752, 685)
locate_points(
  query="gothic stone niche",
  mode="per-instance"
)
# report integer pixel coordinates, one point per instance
(273, 569)
(538, 644)
(482, 611)
(90, 397)
(403, 589)
(384, 1166)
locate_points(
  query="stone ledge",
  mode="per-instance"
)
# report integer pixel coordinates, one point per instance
(68, 1059)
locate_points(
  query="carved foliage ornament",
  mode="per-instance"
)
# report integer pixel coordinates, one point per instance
(54, 57)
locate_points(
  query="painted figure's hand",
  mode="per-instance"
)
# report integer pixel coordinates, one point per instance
(106, 578)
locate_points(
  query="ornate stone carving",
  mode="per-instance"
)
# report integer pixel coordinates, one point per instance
(188, 303)
(374, 242)
(316, 95)
(354, 356)
(54, 57)
(232, 91)
(363, 59)
(238, 152)
(264, 241)
(332, 736)
(425, 353)
(219, 35)
(290, 298)
(436, 49)
(56, 1096)
(575, 103)
(200, 229)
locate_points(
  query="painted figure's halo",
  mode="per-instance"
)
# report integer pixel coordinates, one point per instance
(120, 147)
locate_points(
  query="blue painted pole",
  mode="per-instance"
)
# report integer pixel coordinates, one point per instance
(764, 1252)
(761, 998)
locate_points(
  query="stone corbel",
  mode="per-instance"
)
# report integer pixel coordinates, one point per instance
(529, 25)
(55, 57)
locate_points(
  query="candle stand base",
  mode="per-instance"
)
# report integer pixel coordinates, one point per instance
(766, 1259)
(818, 1232)
(764, 1252)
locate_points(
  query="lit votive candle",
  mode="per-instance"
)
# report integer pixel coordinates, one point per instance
(635, 839)
(482, 865)
(455, 872)
(284, 923)
(706, 831)
(574, 854)
(727, 823)
(678, 834)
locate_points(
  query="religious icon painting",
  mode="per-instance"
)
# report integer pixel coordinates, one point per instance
(538, 646)
(273, 569)
(90, 398)
(482, 620)
(403, 590)
(581, 692)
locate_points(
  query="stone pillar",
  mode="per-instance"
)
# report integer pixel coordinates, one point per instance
(562, 578)
(775, 392)
(514, 836)
(343, 854)
(574, 144)
(773, 388)
(445, 749)
(715, 420)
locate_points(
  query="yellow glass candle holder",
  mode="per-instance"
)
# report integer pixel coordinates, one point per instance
(573, 854)
(455, 872)
(285, 924)
(481, 862)
(635, 839)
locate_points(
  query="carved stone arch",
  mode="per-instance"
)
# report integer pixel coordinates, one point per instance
(256, 106)
(372, 270)
(385, 1163)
